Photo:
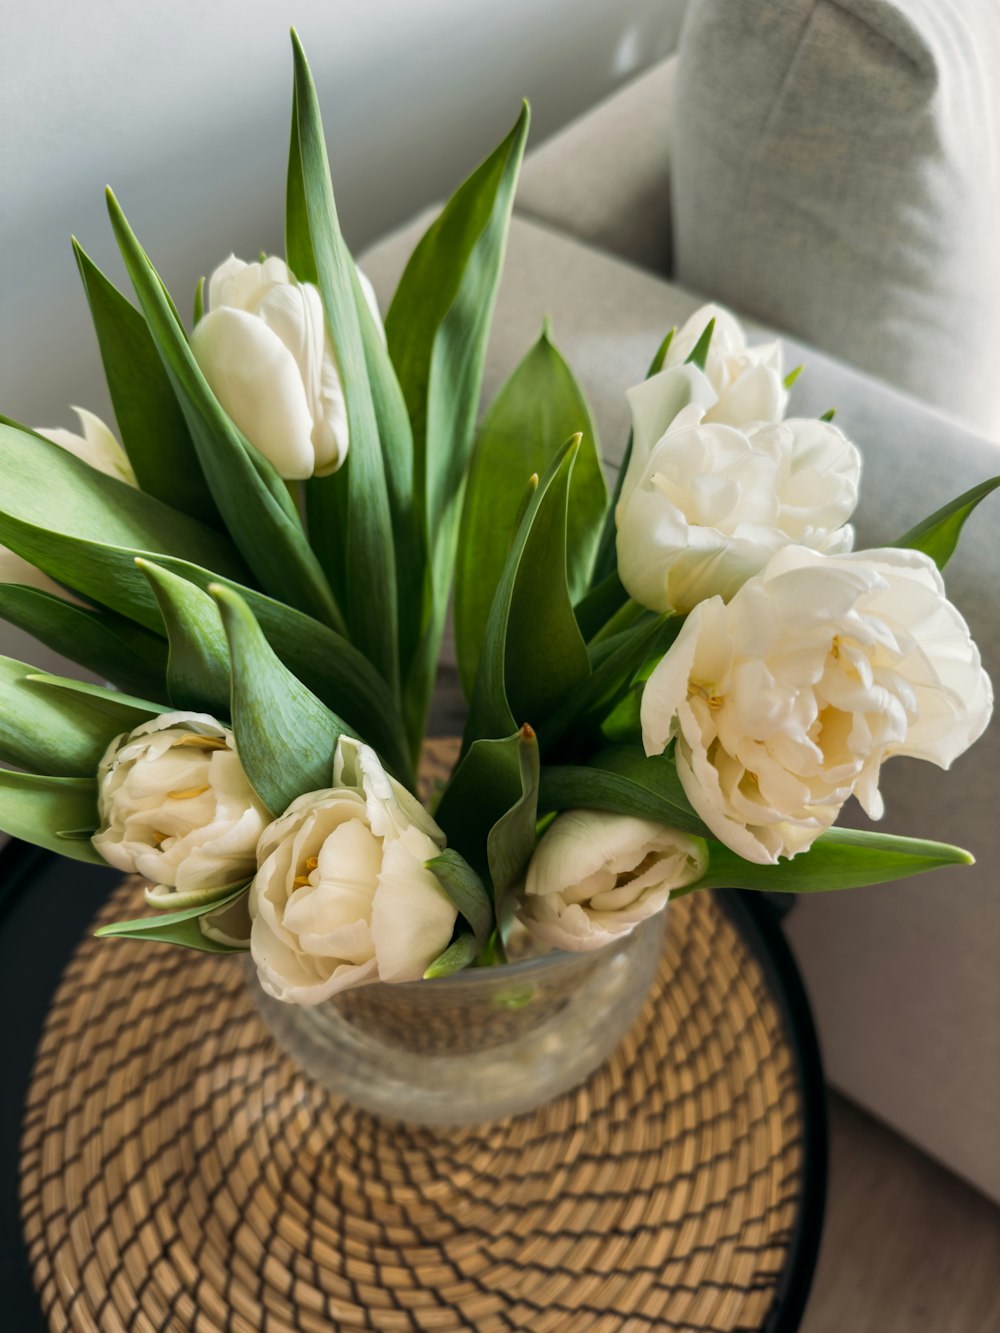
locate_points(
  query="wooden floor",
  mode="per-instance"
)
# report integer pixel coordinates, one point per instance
(907, 1248)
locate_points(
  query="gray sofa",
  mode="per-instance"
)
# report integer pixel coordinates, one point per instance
(905, 978)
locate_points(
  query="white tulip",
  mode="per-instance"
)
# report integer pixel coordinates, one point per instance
(97, 446)
(748, 381)
(704, 506)
(786, 701)
(176, 807)
(594, 876)
(342, 895)
(266, 352)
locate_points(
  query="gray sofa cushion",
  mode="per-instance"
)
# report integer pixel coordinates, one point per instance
(606, 178)
(904, 978)
(836, 173)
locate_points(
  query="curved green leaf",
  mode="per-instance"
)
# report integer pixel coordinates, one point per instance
(466, 892)
(353, 505)
(533, 653)
(461, 953)
(250, 495)
(198, 667)
(182, 927)
(285, 736)
(539, 407)
(485, 785)
(841, 858)
(511, 841)
(100, 641)
(622, 779)
(437, 327)
(54, 731)
(36, 807)
(152, 427)
(937, 536)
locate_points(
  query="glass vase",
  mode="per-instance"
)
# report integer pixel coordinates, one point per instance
(477, 1046)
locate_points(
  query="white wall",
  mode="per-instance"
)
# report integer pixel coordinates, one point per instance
(183, 105)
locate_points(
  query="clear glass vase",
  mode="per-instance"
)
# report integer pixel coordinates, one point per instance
(482, 1044)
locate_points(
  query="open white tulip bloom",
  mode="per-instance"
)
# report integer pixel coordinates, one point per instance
(748, 381)
(266, 352)
(342, 895)
(96, 446)
(176, 807)
(595, 875)
(787, 701)
(704, 505)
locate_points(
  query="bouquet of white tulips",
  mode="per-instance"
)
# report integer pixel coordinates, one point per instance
(672, 688)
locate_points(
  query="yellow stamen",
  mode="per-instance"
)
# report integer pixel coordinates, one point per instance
(200, 743)
(187, 793)
(312, 862)
(835, 647)
(714, 701)
(300, 882)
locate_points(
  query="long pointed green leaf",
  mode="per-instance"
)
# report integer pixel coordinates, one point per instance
(285, 736)
(181, 927)
(35, 808)
(50, 731)
(437, 327)
(251, 497)
(76, 524)
(539, 407)
(511, 840)
(937, 536)
(327, 663)
(841, 858)
(533, 653)
(465, 890)
(152, 427)
(370, 569)
(99, 641)
(624, 780)
(126, 709)
(485, 785)
(198, 667)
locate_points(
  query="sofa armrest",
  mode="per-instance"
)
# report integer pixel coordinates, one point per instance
(606, 178)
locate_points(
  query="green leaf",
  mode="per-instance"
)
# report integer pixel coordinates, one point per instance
(35, 807)
(606, 564)
(533, 653)
(937, 536)
(698, 355)
(793, 375)
(829, 414)
(152, 426)
(841, 858)
(251, 497)
(181, 927)
(362, 515)
(85, 529)
(49, 731)
(198, 666)
(437, 328)
(100, 641)
(539, 407)
(511, 840)
(622, 779)
(199, 300)
(461, 953)
(285, 736)
(466, 892)
(597, 695)
(325, 662)
(603, 602)
(485, 785)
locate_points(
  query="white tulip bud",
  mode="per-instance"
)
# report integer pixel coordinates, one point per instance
(97, 446)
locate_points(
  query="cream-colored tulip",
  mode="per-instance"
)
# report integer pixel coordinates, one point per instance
(748, 381)
(265, 349)
(342, 895)
(704, 505)
(176, 807)
(96, 446)
(787, 701)
(595, 875)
